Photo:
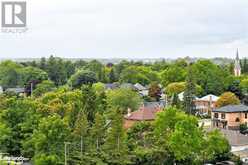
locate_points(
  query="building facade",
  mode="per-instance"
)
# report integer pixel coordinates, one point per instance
(230, 117)
(206, 104)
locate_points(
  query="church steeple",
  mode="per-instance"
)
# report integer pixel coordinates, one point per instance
(237, 68)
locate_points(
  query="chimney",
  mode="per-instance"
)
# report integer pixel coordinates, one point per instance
(211, 101)
(128, 112)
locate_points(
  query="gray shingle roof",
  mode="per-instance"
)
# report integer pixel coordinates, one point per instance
(232, 108)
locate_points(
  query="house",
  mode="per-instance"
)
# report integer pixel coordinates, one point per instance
(142, 90)
(206, 104)
(230, 116)
(16, 90)
(146, 112)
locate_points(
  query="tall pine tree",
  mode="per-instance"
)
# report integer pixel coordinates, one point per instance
(115, 147)
(89, 101)
(189, 92)
(98, 132)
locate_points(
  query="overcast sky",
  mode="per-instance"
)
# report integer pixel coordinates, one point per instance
(131, 29)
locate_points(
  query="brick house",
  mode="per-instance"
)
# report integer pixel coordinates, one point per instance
(230, 116)
(206, 104)
(146, 112)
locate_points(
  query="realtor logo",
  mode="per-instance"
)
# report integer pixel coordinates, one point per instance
(14, 14)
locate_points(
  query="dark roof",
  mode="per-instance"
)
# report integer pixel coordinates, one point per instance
(160, 104)
(128, 86)
(16, 90)
(232, 108)
(111, 86)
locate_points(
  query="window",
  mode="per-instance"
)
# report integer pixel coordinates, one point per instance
(216, 115)
(246, 115)
(223, 116)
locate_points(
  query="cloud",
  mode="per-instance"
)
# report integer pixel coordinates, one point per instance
(131, 28)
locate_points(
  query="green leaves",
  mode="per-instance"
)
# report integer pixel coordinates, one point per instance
(123, 99)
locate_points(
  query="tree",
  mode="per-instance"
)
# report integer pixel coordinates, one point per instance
(123, 99)
(31, 73)
(187, 140)
(82, 77)
(165, 122)
(111, 76)
(101, 103)
(98, 132)
(209, 76)
(244, 86)
(115, 146)
(56, 70)
(189, 93)
(49, 139)
(97, 68)
(178, 87)
(174, 73)
(10, 74)
(175, 88)
(155, 91)
(43, 87)
(89, 102)
(216, 146)
(138, 74)
(5, 135)
(81, 131)
(98, 87)
(15, 113)
(227, 98)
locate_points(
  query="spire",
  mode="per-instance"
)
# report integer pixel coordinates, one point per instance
(237, 55)
(237, 68)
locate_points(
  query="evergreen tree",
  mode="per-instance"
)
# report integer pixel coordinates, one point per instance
(175, 101)
(101, 102)
(89, 101)
(189, 93)
(81, 130)
(98, 131)
(111, 76)
(245, 66)
(115, 147)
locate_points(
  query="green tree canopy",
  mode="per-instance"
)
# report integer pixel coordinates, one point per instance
(82, 77)
(123, 99)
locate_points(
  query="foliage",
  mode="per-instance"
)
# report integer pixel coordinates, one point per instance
(227, 98)
(189, 93)
(48, 139)
(82, 77)
(115, 147)
(43, 87)
(209, 76)
(172, 74)
(155, 91)
(138, 74)
(123, 99)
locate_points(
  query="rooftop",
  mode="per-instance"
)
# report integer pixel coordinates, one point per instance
(208, 98)
(232, 108)
(145, 113)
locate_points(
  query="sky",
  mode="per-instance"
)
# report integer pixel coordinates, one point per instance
(130, 29)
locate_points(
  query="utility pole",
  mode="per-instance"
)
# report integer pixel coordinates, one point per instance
(66, 143)
(31, 91)
(81, 146)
